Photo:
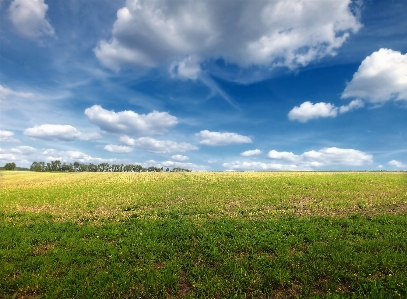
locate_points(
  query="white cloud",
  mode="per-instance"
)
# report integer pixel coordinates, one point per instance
(7, 136)
(381, 77)
(306, 161)
(120, 149)
(7, 157)
(189, 68)
(184, 165)
(157, 146)
(217, 138)
(129, 122)
(287, 156)
(59, 132)
(274, 33)
(19, 156)
(397, 164)
(72, 156)
(179, 158)
(355, 104)
(238, 165)
(8, 94)
(324, 157)
(28, 17)
(23, 150)
(308, 110)
(251, 153)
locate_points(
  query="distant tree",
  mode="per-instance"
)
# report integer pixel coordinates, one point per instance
(10, 166)
(38, 166)
(104, 167)
(65, 167)
(137, 168)
(35, 166)
(178, 169)
(128, 168)
(92, 167)
(55, 165)
(83, 167)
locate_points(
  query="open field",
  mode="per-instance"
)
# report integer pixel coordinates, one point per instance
(203, 235)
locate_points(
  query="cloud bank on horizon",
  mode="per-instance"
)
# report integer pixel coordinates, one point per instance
(222, 81)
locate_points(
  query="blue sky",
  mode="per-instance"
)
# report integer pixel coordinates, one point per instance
(205, 85)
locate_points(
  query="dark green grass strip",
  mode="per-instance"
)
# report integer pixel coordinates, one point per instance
(306, 257)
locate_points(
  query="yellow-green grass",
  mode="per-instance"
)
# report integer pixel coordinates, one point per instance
(203, 235)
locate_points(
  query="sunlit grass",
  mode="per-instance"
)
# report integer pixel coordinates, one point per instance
(200, 235)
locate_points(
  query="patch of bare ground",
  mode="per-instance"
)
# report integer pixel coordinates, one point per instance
(27, 294)
(292, 291)
(159, 266)
(184, 285)
(43, 249)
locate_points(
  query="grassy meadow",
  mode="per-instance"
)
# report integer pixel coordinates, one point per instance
(203, 235)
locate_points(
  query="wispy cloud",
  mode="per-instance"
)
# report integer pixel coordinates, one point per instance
(60, 132)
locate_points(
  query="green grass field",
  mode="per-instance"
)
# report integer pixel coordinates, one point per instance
(203, 235)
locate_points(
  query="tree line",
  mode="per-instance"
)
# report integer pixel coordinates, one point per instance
(102, 167)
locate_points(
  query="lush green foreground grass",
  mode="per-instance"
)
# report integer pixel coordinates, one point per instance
(203, 235)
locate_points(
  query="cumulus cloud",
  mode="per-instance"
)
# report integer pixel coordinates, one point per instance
(179, 158)
(306, 161)
(355, 104)
(251, 153)
(120, 149)
(19, 156)
(217, 138)
(307, 110)
(28, 17)
(189, 68)
(381, 77)
(7, 136)
(59, 132)
(244, 165)
(130, 122)
(23, 150)
(7, 157)
(72, 156)
(397, 164)
(157, 146)
(273, 33)
(324, 157)
(287, 156)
